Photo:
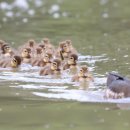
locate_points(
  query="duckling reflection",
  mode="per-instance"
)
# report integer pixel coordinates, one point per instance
(83, 77)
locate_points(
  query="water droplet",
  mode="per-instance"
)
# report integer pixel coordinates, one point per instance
(9, 14)
(31, 12)
(105, 15)
(25, 20)
(56, 15)
(54, 8)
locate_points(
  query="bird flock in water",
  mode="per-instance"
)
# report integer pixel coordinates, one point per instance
(52, 61)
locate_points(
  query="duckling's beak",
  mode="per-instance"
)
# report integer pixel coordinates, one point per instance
(14, 63)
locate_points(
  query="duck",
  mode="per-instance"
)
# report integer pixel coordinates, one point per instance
(48, 47)
(83, 75)
(71, 62)
(25, 55)
(42, 61)
(64, 50)
(6, 50)
(117, 86)
(52, 69)
(13, 62)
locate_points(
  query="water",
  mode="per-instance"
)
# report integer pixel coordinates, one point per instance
(100, 30)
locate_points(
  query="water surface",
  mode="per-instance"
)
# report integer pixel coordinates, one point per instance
(100, 31)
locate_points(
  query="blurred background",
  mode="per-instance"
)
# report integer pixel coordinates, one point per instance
(99, 30)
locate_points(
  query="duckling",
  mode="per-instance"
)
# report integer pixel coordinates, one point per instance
(29, 44)
(1, 43)
(117, 86)
(46, 60)
(48, 46)
(69, 42)
(6, 50)
(71, 63)
(25, 54)
(14, 62)
(64, 50)
(53, 69)
(83, 75)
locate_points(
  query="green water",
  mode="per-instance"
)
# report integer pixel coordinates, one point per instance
(96, 28)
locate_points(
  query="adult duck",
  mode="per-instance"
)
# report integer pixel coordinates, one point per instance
(117, 86)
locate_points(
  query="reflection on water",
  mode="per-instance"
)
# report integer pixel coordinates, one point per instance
(99, 30)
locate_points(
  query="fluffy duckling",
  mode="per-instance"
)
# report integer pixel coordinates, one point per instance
(46, 60)
(71, 62)
(14, 62)
(69, 42)
(117, 86)
(83, 75)
(25, 54)
(7, 51)
(53, 69)
(64, 50)
(48, 46)
(1, 43)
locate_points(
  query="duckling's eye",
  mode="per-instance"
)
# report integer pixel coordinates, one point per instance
(14, 60)
(54, 63)
(81, 70)
(7, 48)
(25, 51)
(64, 46)
(46, 56)
(71, 58)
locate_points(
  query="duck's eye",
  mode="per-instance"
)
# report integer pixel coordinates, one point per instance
(71, 58)
(81, 70)
(7, 48)
(65, 46)
(54, 63)
(46, 56)
(15, 60)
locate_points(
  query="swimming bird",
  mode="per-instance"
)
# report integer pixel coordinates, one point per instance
(117, 86)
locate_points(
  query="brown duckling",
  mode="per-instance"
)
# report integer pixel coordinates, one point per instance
(6, 50)
(1, 43)
(71, 62)
(48, 46)
(64, 50)
(25, 54)
(14, 62)
(53, 69)
(69, 42)
(46, 60)
(83, 75)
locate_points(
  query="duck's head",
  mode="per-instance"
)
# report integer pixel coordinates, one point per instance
(46, 41)
(6, 49)
(72, 59)
(26, 53)
(64, 47)
(31, 43)
(16, 61)
(39, 50)
(69, 42)
(83, 71)
(47, 57)
(55, 65)
(1, 43)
